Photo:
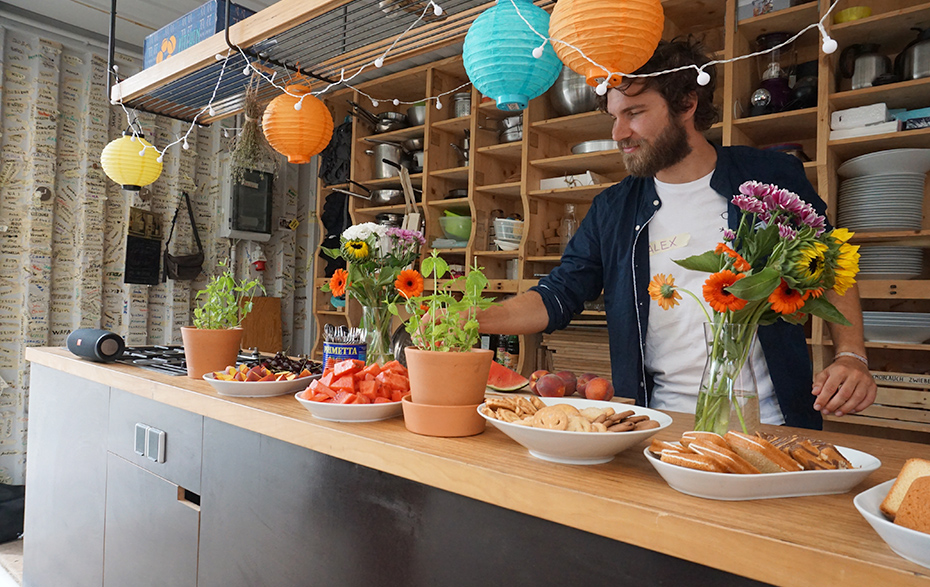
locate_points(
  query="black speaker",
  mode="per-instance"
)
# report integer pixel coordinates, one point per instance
(102, 346)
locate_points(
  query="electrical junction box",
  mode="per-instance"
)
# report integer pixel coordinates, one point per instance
(245, 205)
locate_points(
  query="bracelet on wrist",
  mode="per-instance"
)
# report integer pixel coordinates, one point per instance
(853, 355)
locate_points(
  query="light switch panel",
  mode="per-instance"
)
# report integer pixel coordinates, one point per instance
(142, 431)
(155, 445)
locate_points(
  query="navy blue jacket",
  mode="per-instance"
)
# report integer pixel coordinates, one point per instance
(610, 251)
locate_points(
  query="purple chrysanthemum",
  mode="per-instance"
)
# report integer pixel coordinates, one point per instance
(729, 235)
(755, 189)
(781, 199)
(748, 203)
(786, 232)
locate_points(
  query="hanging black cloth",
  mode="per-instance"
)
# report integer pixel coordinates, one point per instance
(337, 156)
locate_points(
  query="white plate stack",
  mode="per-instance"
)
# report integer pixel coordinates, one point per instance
(890, 262)
(896, 327)
(883, 190)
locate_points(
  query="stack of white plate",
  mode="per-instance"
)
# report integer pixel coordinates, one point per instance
(882, 202)
(890, 262)
(901, 327)
(883, 190)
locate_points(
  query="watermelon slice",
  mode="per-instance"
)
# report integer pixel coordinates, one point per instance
(503, 379)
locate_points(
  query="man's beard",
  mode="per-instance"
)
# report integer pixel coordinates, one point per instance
(669, 148)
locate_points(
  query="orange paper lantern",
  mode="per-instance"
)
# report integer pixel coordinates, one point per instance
(619, 34)
(298, 134)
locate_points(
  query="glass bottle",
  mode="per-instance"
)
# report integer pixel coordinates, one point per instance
(503, 353)
(569, 224)
(513, 348)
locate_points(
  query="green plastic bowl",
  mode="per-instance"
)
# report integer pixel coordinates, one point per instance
(457, 227)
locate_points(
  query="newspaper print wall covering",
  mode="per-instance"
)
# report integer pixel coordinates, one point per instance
(63, 223)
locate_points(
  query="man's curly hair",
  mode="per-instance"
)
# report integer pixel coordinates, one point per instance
(680, 87)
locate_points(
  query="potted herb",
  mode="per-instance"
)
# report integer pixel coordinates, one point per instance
(212, 343)
(445, 368)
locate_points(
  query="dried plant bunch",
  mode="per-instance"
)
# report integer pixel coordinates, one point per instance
(251, 150)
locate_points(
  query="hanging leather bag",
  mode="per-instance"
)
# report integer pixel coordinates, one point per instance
(183, 266)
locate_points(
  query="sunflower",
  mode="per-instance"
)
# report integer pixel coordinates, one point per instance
(662, 290)
(847, 263)
(409, 283)
(715, 291)
(785, 300)
(807, 263)
(356, 251)
(338, 282)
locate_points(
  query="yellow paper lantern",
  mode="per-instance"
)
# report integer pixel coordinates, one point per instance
(298, 134)
(619, 34)
(123, 164)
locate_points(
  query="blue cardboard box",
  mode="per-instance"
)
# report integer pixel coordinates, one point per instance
(199, 24)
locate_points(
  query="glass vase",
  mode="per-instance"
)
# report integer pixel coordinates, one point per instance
(376, 322)
(729, 396)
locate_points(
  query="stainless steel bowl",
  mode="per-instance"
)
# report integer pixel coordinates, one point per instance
(390, 219)
(595, 146)
(571, 94)
(386, 197)
(512, 134)
(416, 115)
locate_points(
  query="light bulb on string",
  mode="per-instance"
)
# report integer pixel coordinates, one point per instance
(212, 111)
(379, 62)
(161, 158)
(437, 9)
(538, 51)
(299, 104)
(703, 78)
(396, 102)
(829, 44)
(245, 70)
(374, 103)
(218, 57)
(185, 146)
(601, 88)
(226, 133)
(438, 104)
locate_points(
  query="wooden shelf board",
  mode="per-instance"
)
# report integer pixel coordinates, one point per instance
(794, 18)
(544, 259)
(499, 254)
(505, 151)
(503, 285)
(849, 148)
(577, 195)
(393, 182)
(396, 135)
(453, 125)
(904, 289)
(889, 29)
(880, 422)
(510, 189)
(576, 128)
(810, 169)
(780, 127)
(340, 313)
(452, 251)
(910, 94)
(374, 210)
(490, 111)
(602, 162)
(904, 238)
(458, 173)
(450, 203)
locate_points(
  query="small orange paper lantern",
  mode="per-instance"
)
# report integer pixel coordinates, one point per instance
(619, 34)
(298, 134)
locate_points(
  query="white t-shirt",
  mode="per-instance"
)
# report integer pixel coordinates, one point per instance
(689, 222)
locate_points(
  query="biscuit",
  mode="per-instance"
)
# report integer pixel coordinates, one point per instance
(646, 425)
(551, 417)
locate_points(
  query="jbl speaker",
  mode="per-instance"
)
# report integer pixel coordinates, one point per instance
(102, 346)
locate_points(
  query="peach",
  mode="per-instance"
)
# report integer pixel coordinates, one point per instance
(569, 378)
(535, 377)
(583, 382)
(550, 386)
(599, 389)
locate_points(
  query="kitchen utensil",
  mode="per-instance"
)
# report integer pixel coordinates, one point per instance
(386, 152)
(456, 227)
(509, 122)
(595, 146)
(390, 219)
(804, 92)
(852, 13)
(383, 122)
(411, 215)
(571, 94)
(463, 154)
(457, 193)
(416, 161)
(511, 135)
(863, 63)
(416, 114)
(350, 412)
(365, 196)
(914, 61)
(773, 92)
(461, 104)
(387, 197)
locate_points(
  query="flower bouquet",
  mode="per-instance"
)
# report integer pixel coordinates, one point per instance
(776, 266)
(377, 258)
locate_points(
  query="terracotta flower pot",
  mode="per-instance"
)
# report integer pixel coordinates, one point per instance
(448, 379)
(209, 350)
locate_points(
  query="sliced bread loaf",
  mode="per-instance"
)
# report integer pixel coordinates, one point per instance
(912, 469)
(914, 511)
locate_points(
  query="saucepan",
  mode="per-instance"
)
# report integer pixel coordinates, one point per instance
(416, 114)
(383, 122)
(408, 145)
(365, 196)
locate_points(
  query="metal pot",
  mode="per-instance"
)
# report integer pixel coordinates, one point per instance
(416, 115)
(511, 135)
(387, 197)
(571, 94)
(383, 122)
(391, 152)
(914, 61)
(509, 122)
(390, 219)
(416, 161)
(413, 145)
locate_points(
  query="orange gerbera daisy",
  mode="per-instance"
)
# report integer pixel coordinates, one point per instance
(715, 291)
(739, 263)
(662, 290)
(785, 300)
(338, 282)
(409, 283)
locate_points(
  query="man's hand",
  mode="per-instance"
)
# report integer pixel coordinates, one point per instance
(844, 387)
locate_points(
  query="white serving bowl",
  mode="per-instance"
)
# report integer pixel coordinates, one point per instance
(907, 543)
(579, 448)
(732, 487)
(351, 412)
(258, 388)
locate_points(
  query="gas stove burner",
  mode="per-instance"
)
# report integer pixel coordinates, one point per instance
(167, 359)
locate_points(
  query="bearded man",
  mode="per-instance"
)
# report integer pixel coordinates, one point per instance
(675, 203)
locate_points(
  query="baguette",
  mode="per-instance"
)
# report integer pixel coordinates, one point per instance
(761, 454)
(912, 469)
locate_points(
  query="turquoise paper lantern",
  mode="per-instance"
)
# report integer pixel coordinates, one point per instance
(498, 54)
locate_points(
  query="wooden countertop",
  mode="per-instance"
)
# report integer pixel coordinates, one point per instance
(796, 541)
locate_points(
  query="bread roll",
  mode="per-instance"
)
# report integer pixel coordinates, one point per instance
(761, 454)
(912, 469)
(914, 511)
